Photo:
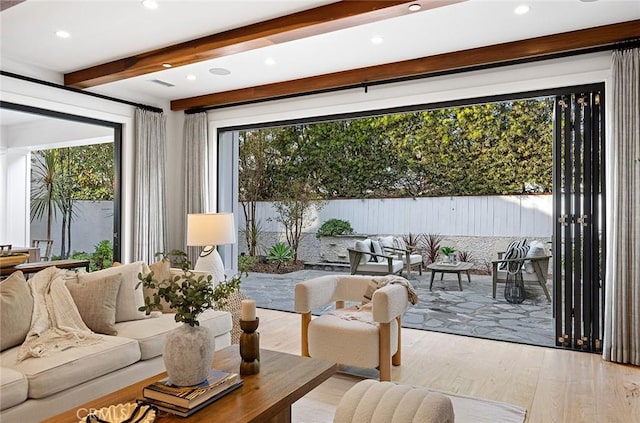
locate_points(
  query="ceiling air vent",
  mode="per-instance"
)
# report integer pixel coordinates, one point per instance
(161, 82)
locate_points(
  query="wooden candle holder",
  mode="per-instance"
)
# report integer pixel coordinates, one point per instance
(249, 347)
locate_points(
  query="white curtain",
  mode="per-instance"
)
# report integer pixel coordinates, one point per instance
(195, 142)
(622, 311)
(150, 221)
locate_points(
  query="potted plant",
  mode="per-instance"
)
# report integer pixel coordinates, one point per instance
(188, 349)
(449, 254)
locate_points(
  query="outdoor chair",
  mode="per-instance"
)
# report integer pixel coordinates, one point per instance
(531, 268)
(368, 258)
(411, 257)
(366, 336)
(36, 243)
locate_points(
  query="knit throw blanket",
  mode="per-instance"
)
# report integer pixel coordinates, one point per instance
(356, 312)
(56, 324)
(379, 282)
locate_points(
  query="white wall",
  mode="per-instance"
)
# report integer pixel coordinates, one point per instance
(477, 216)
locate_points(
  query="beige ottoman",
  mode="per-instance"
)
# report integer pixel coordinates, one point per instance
(371, 401)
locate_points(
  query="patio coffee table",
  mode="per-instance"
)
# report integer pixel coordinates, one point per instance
(264, 397)
(450, 268)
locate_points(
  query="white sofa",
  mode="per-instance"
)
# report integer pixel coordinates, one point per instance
(37, 388)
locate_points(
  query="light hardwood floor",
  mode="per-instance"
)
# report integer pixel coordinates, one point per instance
(553, 385)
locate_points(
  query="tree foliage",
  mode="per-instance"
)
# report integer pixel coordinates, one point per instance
(485, 149)
(62, 176)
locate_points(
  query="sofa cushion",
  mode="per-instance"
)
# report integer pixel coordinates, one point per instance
(96, 302)
(71, 367)
(16, 307)
(14, 388)
(129, 298)
(150, 333)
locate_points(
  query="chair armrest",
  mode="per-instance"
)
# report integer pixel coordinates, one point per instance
(389, 302)
(521, 259)
(314, 293)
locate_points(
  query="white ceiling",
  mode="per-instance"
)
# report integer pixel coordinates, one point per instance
(106, 30)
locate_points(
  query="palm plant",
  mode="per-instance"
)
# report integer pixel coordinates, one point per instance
(46, 195)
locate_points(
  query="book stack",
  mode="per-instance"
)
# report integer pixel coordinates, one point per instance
(186, 400)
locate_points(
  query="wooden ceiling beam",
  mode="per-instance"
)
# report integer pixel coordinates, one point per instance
(495, 54)
(316, 21)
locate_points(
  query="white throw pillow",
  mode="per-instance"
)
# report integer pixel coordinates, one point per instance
(386, 241)
(399, 243)
(536, 249)
(365, 247)
(129, 298)
(377, 248)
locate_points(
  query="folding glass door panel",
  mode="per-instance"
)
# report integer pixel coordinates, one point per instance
(579, 198)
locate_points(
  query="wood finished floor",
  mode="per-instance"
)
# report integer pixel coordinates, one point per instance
(553, 385)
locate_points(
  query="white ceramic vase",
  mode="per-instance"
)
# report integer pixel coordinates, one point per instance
(188, 354)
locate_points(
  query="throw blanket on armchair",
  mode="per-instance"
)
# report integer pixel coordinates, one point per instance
(379, 282)
(56, 324)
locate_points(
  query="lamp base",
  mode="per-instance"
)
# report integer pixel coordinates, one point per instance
(211, 262)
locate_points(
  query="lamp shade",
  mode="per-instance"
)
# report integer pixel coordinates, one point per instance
(210, 229)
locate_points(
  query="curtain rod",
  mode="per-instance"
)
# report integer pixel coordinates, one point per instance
(79, 91)
(365, 85)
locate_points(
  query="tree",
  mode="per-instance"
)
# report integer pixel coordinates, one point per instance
(294, 212)
(45, 187)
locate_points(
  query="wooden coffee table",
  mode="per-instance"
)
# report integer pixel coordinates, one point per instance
(264, 397)
(447, 268)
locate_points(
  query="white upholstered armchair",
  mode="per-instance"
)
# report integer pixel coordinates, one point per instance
(368, 338)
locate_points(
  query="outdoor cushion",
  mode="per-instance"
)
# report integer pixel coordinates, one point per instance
(16, 307)
(515, 250)
(536, 249)
(387, 241)
(382, 267)
(377, 249)
(73, 366)
(151, 332)
(14, 388)
(365, 247)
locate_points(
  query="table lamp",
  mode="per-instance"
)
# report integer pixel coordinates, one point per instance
(209, 230)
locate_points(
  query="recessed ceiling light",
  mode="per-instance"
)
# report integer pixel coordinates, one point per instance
(415, 7)
(150, 4)
(270, 61)
(521, 10)
(63, 34)
(166, 65)
(220, 71)
(191, 77)
(376, 39)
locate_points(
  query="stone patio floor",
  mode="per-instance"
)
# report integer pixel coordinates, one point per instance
(472, 312)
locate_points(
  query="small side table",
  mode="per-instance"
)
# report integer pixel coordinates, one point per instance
(449, 268)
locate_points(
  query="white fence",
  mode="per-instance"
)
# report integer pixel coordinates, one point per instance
(482, 216)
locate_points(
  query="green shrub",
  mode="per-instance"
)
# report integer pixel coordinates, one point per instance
(280, 254)
(245, 262)
(333, 227)
(102, 257)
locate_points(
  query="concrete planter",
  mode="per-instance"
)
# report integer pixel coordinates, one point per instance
(188, 354)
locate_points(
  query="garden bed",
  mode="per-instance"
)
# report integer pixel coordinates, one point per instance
(266, 267)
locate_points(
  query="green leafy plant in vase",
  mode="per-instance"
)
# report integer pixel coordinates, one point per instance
(188, 350)
(449, 254)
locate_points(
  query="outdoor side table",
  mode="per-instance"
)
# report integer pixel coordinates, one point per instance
(450, 268)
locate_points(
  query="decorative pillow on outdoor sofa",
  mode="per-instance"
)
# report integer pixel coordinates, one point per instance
(129, 298)
(536, 249)
(96, 302)
(365, 247)
(376, 248)
(515, 250)
(16, 308)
